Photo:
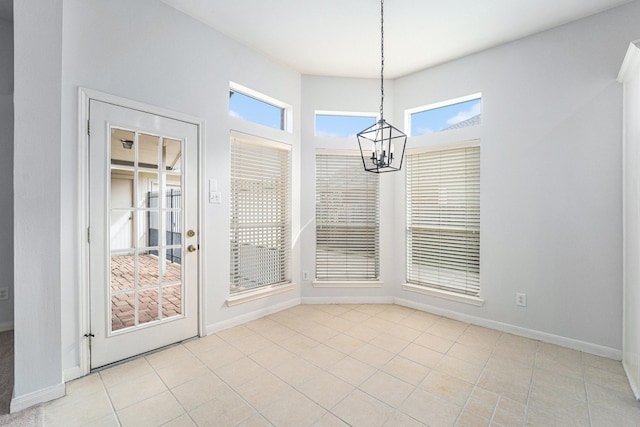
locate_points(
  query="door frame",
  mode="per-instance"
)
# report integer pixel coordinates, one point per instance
(84, 296)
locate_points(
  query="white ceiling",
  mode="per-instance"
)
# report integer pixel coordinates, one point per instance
(342, 37)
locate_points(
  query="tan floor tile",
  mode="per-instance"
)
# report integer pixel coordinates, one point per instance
(509, 412)
(387, 389)
(406, 370)
(372, 355)
(239, 372)
(136, 390)
(76, 411)
(362, 332)
(482, 402)
(399, 419)
(298, 343)
(119, 373)
(389, 342)
(293, 409)
(470, 354)
(250, 344)
(85, 385)
(234, 334)
(223, 354)
(479, 336)
(360, 409)
(227, 409)
(448, 328)
(371, 309)
(553, 384)
(109, 421)
(561, 353)
(339, 324)
(151, 412)
(433, 342)
(169, 357)
(471, 419)
(261, 325)
(430, 410)
(419, 320)
(380, 325)
(559, 366)
(354, 316)
(603, 417)
(345, 343)
(325, 389)
(515, 369)
(403, 332)
(320, 333)
(622, 403)
(194, 393)
(505, 384)
(447, 387)
(333, 309)
(352, 371)
(524, 355)
(263, 390)
(256, 420)
(562, 408)
(272, 356)
(606, 364)
(295, 371)
(182, 421)
(392, 315)
(459, 368)
(607, 379)
(422, 355)
(277, 333)
(183, 371)
(330, 420)
(323, 356)
(538, 418)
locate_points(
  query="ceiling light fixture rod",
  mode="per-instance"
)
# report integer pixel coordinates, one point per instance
(381, 136)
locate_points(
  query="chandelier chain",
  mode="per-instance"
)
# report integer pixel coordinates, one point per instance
(381, 59)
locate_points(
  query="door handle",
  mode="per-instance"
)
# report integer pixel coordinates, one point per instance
(191, 233)
(191, 248)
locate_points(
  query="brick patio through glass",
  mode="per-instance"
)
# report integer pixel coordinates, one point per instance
(122, 279)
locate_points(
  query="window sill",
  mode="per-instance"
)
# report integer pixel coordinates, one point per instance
(347, 284)
(254, 294)
(466, 299)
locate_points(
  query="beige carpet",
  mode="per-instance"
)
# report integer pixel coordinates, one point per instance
(31, 417)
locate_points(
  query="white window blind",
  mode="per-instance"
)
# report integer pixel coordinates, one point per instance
(443, 219)
(347, 219)
(259, 199)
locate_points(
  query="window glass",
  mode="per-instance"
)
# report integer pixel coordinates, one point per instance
(446, 117)
(255, 110)
(342, 126)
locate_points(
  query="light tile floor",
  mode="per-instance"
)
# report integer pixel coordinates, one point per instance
(359, 365)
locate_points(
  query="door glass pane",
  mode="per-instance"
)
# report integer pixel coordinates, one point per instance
(149, 230)
(171, 300)
(148, 305)
(148, 187)
(122, 272)
(123, 310)
(148, 151)
(173, 269)
(171, 155)
(148, 269)
(122, 147)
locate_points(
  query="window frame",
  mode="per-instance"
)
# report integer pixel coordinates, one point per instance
(284, 239)
(371, 278)
(440, 290)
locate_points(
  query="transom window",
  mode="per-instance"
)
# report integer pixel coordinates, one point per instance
(250, 105)
(342, 125)
(442, 116)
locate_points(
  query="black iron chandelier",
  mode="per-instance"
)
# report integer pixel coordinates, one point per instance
(377, 143)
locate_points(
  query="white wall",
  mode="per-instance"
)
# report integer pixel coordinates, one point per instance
(36, 178)
(6, 171)
(551, 218)
(151, 53)
(630, 76)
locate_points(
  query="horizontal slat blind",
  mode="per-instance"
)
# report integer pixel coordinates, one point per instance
(443, 219)
(259, 199)
(347, 219)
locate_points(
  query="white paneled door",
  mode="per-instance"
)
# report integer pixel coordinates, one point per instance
(143, 237)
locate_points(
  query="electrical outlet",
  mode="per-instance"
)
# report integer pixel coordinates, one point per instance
(305, 275)
(521, 299)
(4, 294)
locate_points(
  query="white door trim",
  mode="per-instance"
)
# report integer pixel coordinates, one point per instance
(84, 302)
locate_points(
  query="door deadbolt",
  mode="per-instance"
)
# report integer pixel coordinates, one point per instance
(191, 233)
(191, 248)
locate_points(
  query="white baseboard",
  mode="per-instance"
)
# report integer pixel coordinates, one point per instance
(6, 326)
(586, 347)
(45, 395)
(254, 315)
(72, 374)
(347, 300)
(635, 387)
